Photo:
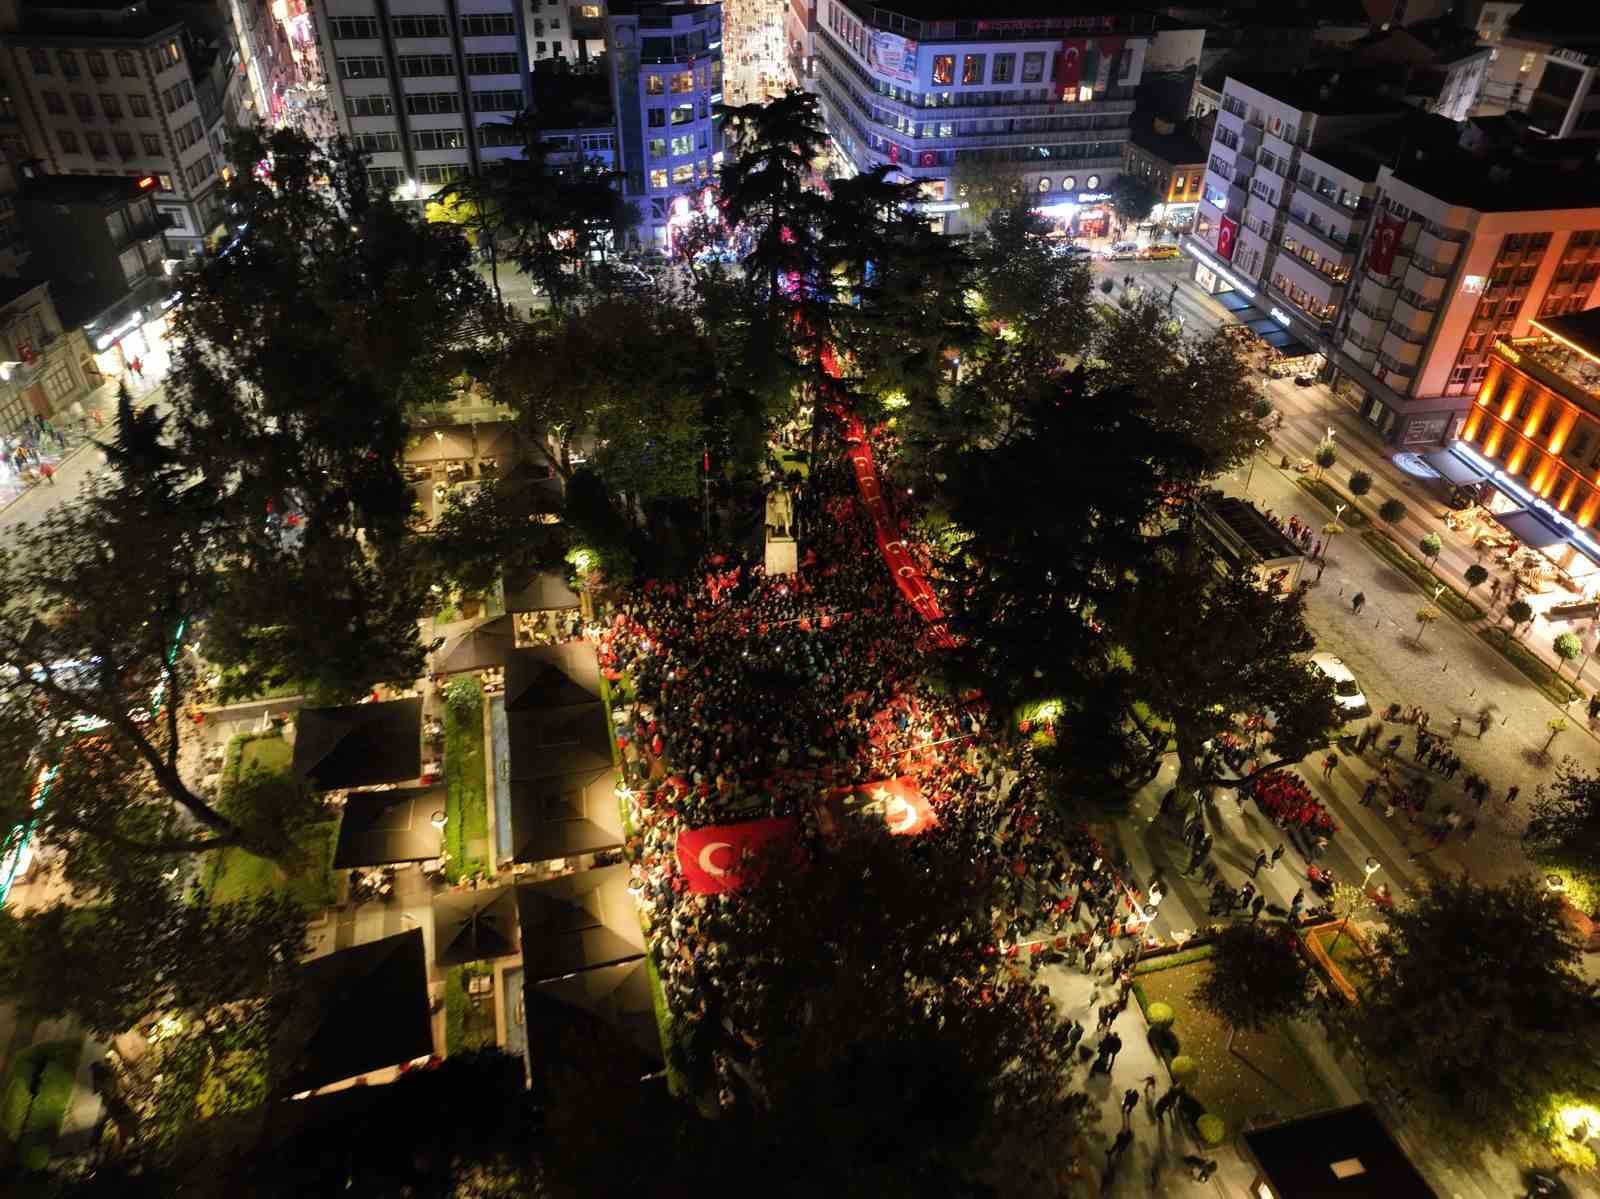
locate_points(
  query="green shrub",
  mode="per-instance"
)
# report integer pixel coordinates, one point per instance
(1327, 454)
(1430, 545)
(1165, 1042)
(1392, 510)
(1212, 1129)
(1331, 498)
(1107, 286)
(1170, 961)
(1184, 1069)
(1160, 1015)
(1261, 409)
(463, 694)
(1360, 482)
(1451, 600)
(1475, 575)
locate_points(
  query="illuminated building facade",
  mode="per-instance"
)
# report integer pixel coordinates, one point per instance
(665, 62)
(1536, 414)
(953, 102)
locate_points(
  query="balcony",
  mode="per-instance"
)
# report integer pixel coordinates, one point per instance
(1413, 321)
(1425, 286)
(1435, 249)
(1398, 353)
(1366, 325)
(1330, 203)
(1336, 246)
(1429, 266)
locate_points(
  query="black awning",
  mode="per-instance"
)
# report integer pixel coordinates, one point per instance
(1232, 301)
(1530, 529)
(1453, 467)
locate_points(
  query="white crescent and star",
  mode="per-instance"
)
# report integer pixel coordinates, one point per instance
(707, 864)
(907, 818)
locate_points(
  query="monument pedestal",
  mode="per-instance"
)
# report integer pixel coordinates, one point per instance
(783, 555)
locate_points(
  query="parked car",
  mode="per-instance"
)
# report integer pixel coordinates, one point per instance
(1123, 249)
(1073, 249)
(1346, 691)
(1160, 253)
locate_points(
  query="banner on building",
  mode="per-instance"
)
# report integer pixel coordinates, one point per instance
(1227, 233)
(892, 55)
(1385, 241)
(1110, 52)
(1069, 66)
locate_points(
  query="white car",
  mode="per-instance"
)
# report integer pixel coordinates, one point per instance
(1352, 703)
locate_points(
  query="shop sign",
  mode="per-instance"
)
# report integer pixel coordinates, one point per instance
(1280, 316)
(943, 206)
(1194, 249)
(1093, 197)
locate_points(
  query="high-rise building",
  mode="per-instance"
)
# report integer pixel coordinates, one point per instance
(665, 61)
(106, 89)
(954, 103)
(427, 88)
(1390, 245)
(571, 33)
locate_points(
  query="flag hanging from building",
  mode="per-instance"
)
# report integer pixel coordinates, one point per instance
(1385, 241)
(1069, 67)
(1227, 232)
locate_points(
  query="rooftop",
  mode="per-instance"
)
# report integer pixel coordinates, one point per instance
(12, 290)
(1485, 186)
(90, 21)
(1178, 147)
(1562, 350)
(1385, 143)
(1323, 92)
(103, 191)
(1344, 1154)
(983, 18)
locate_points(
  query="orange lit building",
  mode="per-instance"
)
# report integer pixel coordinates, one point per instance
(1533, 432)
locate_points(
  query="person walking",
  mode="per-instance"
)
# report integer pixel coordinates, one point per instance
(1328, 765)
(1297, 904)
(1511, 795)
(1261, 860)
(1276, 855)
(1484, 721)
(1455, 728)
(1245, 894)
(1358, 602)
(1256, 904)
(1369, 793)
(1130, 1100)
(49, 473)
(1322, 565)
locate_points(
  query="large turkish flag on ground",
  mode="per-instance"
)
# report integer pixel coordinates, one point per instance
(898, 802)
(726, 857)
(1227, 232)
(1385, 240)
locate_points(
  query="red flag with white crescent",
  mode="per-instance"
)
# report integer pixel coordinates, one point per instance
(1069, 66)
(898, 802)
(1385, 241)
(727, 857)
(1227, 233)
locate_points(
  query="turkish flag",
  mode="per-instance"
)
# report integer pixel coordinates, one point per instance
(1227, 232)
(1069, 66)
(1385, 240)
(898, 802)
(725, 857)
(894, 153)
(928, 159)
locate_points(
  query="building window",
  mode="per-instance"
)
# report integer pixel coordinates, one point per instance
(83, 106)
(488, 25)
(69, 64)
(40, 62)
(656, 118)
(424, 103)
(1044, 185)
(944, 68)
(54, 104)
(58, 382)
(499, 133)
(682, 82)
(972, 68)
(1005, 67)
(124, 144)
(97, 63)
(364, 68)
(438, 139)
(658, 147)
(375, 143)
(654, 85)
(384, 178)
(353, 27)
(380, 105)
(491, 64)
(658, 179)
(1070, 183)
(110, 106)
(125, 65)
(413, 66)
(683, 173)
(152, 143)
(683, 114)
(500, 101)
(68, 140)
(97, 144)
(440, 172)
(1033, 66)
(139, 106)
(427, 26)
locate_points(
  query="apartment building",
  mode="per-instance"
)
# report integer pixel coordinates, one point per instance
(427, 88)
(1287, 193)
(952, 102)
(41, 361)
(1173, 163)
(1461, 251)
(665, 64)
(559, 31)
(104, 90)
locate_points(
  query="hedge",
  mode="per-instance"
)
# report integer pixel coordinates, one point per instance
(1172, 961)
(1184, 1069)
(1524, 659)
(1213, 1130)
(1451, 600)
(1160, 1015)
(1330, 498)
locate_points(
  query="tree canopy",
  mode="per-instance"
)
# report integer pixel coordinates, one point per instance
(1257, 977)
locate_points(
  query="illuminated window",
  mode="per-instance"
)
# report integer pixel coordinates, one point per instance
(1033, 67)
(683, 81)
(1044, 185)
(658, 179)
(1085, 93)
(1070, 183)
(683, 172)
(653, 85)
(683, 114)
(658, 147)
(944, 68)
(972, 68)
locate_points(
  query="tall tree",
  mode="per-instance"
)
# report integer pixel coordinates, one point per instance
(1132, 200)
(503, 527)
(1564, 816)
(1210, 647)
(1482, 1007)
(296, 351)
(1256, 978)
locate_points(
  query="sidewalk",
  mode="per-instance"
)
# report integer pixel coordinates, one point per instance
(1308, 414)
